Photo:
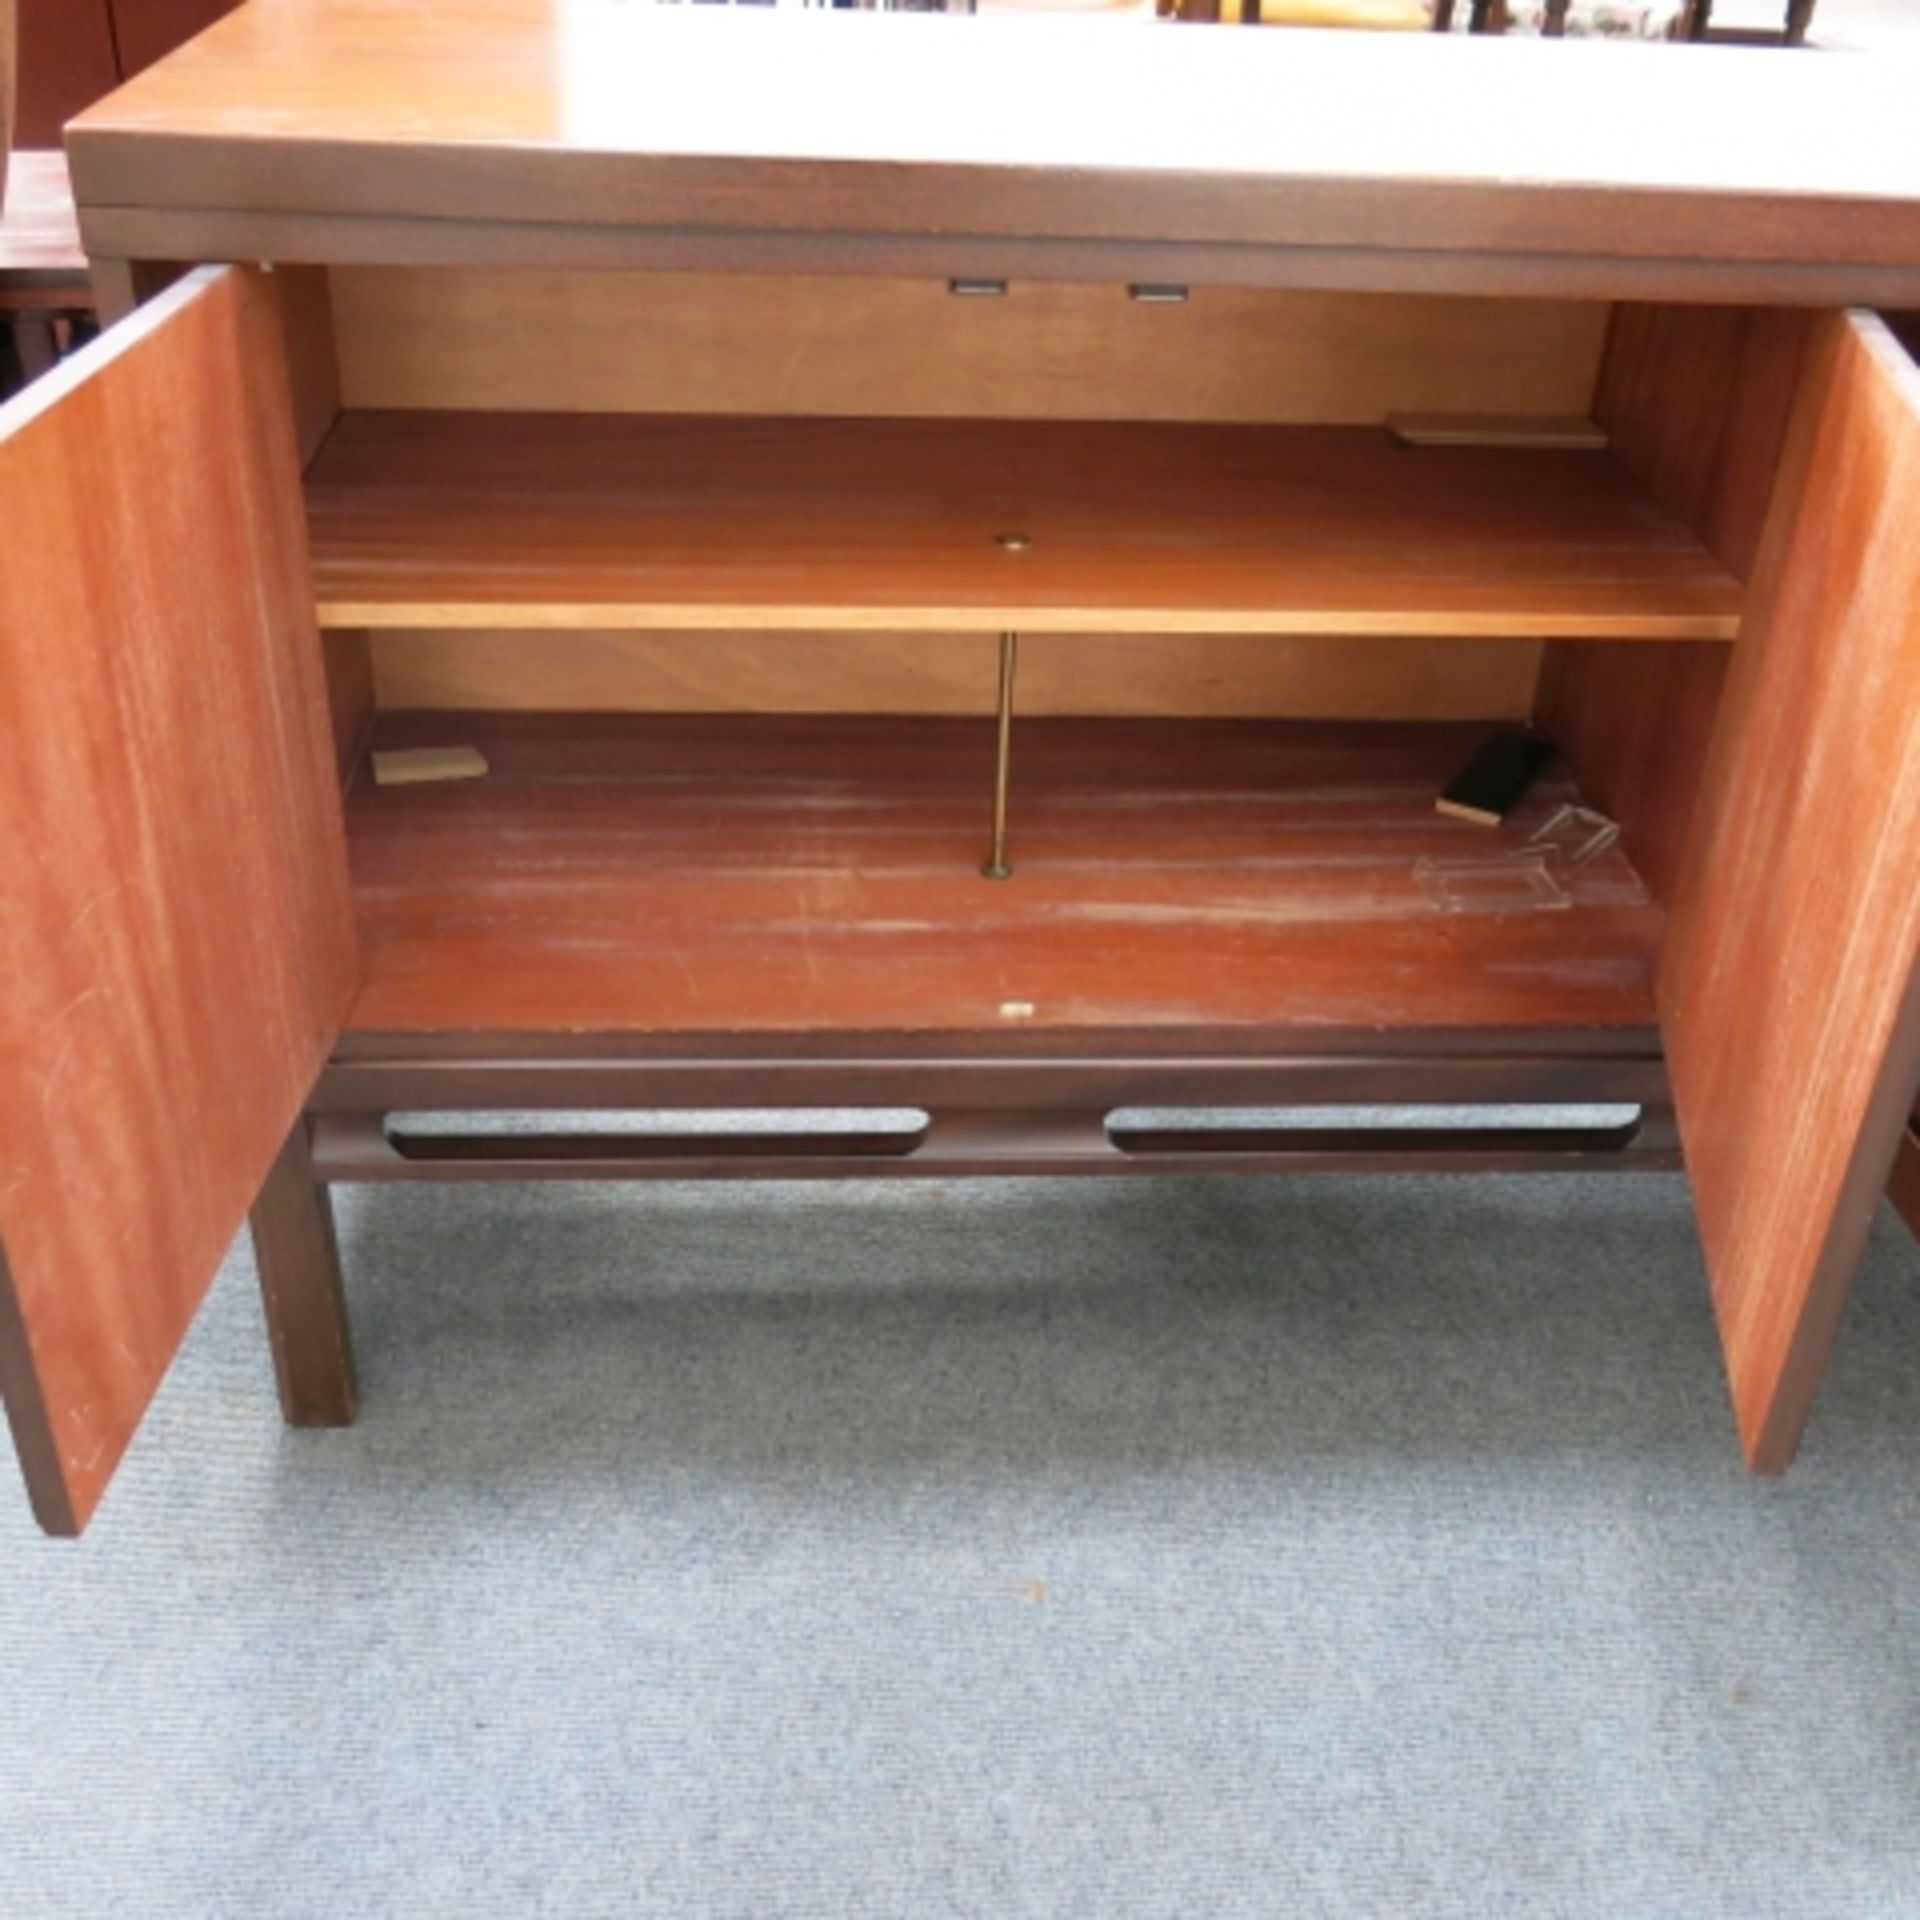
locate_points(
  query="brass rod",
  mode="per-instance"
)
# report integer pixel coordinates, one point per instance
(996, 867)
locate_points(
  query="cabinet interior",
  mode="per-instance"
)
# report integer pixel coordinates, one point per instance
(714, 571)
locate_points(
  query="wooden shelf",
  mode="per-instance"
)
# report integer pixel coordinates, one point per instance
(1231, 884)
(428, 519)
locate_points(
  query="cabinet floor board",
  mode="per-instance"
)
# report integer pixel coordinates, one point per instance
(817, 880)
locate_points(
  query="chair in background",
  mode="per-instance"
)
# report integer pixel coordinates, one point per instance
(1617, 20)
(1699, 25)
(1552, 19)
(1400, 16)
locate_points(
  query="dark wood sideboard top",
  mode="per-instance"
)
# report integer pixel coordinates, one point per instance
(604, 132)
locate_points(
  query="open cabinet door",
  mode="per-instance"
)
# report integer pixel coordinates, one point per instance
(177, 945)
(1789, 995)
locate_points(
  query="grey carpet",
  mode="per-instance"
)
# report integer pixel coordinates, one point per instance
(1136, 1548)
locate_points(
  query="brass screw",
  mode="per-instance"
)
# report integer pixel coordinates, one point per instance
(1013, 542)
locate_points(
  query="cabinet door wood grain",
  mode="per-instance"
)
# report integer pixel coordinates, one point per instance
(1789, 993)
(178, 945)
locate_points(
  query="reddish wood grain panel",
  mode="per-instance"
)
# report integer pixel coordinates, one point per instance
(1696, 400)
(66, 63)
(306, 322)
(459, 519)
(856, 346)
(178, 942)
(1215, 675)
(819, 879)
(1637, 732)
(1788, 987)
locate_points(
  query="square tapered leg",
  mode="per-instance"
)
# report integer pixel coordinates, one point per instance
(300, 1288)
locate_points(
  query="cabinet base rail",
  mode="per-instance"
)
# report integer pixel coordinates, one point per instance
(374, 1118)
(986, 1142)
(797, 1119)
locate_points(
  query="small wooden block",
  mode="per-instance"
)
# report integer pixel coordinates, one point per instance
(1495, 430)
(410, 766)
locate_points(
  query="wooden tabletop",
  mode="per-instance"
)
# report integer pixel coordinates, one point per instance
(42, 263)
(606, 132)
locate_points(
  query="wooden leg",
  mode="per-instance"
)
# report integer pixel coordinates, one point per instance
(121, 285)
(115, 289)
(1799, 19)
(34, 343)
(306, 1307)
(1905, 1190)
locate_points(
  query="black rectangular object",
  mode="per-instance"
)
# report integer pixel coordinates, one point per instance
(1495, 780)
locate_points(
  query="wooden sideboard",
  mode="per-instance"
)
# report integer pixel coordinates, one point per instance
(781, 475)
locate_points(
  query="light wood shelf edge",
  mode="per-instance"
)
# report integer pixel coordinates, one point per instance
(705, 523)
(629, 616)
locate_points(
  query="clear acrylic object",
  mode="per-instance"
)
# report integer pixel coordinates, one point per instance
(1503, 883)
(1574, 835)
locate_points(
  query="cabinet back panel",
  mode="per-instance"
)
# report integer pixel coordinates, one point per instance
(1189, 674)
(646, 343)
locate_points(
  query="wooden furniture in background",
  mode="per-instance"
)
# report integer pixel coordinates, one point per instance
(46, 295)
(66, 63)
(1376, 16)
(8, 74)
(1798, 18)
(74, 52)
(1691, 21)
(1150, 429)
